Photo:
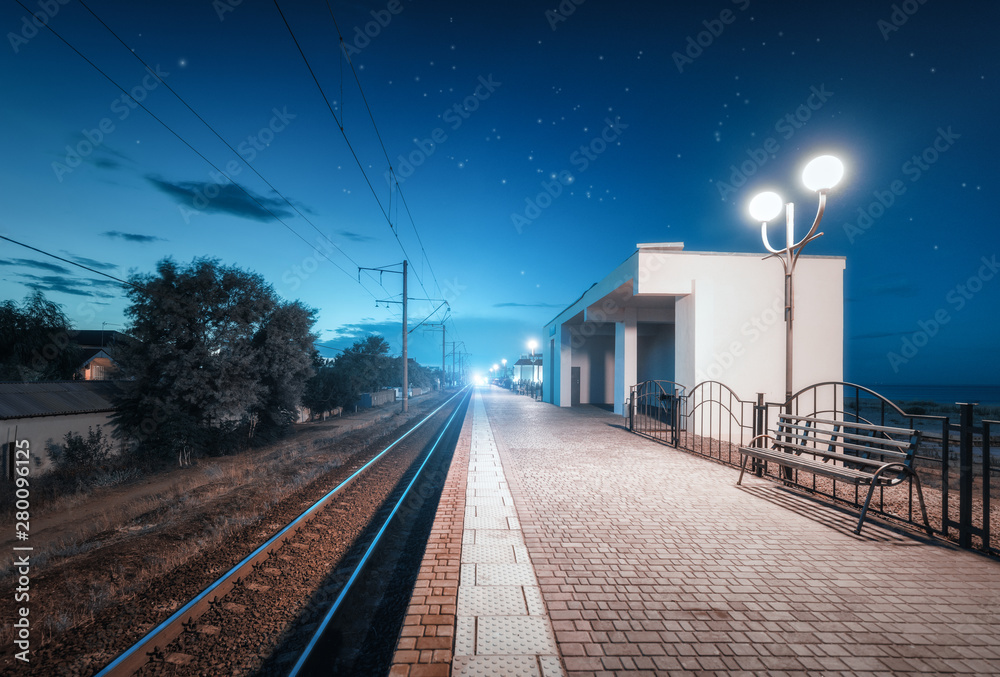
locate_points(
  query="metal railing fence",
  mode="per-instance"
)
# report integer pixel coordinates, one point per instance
(954, 459)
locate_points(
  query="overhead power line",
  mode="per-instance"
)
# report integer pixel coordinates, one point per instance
(212, 129)
(72, 263)
(193, 149)
(340, 125)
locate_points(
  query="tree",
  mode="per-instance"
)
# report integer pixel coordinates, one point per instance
(211, 342)
(364, 367)
(35, 341)
(283, 347)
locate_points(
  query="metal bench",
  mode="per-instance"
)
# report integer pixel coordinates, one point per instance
(857, 453)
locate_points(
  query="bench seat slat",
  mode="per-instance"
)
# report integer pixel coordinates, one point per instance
(850, 424)
(837, 456)
(818, 467)
(887, 453)
(887, 441)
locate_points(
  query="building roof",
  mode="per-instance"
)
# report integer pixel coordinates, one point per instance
(56, 398)
(526, 361)
(98, 338)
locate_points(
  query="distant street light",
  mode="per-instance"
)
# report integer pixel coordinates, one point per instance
(820, 175)
(504, 368)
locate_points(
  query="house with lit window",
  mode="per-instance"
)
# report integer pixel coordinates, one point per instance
(96, 354)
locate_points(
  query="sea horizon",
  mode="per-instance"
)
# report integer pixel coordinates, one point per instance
(943, 394)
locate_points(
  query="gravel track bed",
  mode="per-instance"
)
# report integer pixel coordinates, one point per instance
(240, 632)
(283, 601)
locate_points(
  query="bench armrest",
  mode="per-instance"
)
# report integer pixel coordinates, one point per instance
(882, 468)
(759, 437)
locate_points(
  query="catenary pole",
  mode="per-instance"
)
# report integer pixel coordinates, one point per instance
(406, 373)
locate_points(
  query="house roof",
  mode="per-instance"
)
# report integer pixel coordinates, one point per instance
(98, 338)
(526, 361)
(55, 398)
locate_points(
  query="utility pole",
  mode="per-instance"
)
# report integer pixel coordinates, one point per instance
(406, 329)
(406, 387)
(406, 333)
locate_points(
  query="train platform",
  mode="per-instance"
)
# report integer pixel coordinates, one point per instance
(564, 544)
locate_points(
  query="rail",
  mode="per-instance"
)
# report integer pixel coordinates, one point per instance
(133, 658)
(335, 607)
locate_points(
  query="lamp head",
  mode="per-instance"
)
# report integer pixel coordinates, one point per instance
(823, 173)
(765, 206)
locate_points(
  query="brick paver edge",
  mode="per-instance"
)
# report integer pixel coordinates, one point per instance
(521, 500)
(426, 642)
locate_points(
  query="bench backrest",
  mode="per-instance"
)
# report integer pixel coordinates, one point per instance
(871, 445)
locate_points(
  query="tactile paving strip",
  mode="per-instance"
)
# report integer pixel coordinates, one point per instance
(489, 553)
(486, 500)
(486, 536)
(498, 666)
(533, 596)
(515, 635)
(505, 574)
(465, 635)
(487, 522)
(490, 511)
(491, 601)
(501, 624)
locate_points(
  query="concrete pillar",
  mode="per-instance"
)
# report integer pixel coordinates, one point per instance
(626, 355)
(563, 388)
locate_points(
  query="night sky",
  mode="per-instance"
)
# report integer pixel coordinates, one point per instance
(643, 119)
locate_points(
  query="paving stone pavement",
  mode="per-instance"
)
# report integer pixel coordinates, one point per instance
(652, 561)
(501, 624)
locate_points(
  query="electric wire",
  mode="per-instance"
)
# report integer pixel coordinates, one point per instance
(219, 136)
(385, 152)
(340, 126)
(73, 263)
(186, 143)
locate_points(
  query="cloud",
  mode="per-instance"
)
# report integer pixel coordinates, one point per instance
(229, 199)
(356, 237)
(106, 163)
(899, 287)
(528, 305)
(92, 263)
(75, 286)
(346, 335)
(132, 237)
(40, 265)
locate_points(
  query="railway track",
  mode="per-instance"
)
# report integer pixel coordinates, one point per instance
(278, 610)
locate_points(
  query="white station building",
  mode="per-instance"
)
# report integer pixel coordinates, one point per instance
(688, 317)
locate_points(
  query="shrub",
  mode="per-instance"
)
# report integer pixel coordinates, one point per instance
(79, 453)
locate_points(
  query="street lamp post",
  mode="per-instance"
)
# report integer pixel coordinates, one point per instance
(820, 175)
(531, 346)
(504, 361)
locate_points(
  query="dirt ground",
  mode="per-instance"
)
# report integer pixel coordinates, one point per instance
(92, 552)
(75, 516)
